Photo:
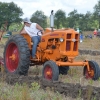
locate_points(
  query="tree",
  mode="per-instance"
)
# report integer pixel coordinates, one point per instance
(40, 18)
(97, 8)
(15, 26)
(60, 19)
(81, 21)
(10, 13)
(97, 12)
(73, 18)
(88, 21)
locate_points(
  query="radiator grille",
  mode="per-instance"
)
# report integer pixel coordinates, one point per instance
(70, 44)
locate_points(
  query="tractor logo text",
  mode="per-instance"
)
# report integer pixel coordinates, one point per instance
(54, 34)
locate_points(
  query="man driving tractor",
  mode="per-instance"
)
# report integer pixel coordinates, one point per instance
(35, 31)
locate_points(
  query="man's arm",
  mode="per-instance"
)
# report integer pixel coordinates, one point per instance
(40, 28)
(22, 31)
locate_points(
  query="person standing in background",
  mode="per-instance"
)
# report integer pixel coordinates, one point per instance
(81, 36)
(78, 30)
(95, 33)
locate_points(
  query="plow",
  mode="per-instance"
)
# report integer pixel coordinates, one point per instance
(56, 52)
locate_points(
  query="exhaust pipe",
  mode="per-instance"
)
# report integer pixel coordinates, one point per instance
(52, 20)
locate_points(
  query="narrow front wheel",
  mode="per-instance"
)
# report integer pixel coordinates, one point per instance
(50, 71)
(94, 71)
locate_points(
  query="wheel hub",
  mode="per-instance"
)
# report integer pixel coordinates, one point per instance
(48, 73)
(91, 73)
(12, 57)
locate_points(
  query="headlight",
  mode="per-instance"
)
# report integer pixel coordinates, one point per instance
(61, 39)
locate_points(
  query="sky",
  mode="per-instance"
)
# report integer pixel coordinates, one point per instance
(30, 6)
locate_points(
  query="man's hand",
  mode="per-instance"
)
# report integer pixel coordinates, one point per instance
(42, 32)
(40, 28)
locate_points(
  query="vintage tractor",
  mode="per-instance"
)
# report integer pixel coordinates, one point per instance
(56, 52)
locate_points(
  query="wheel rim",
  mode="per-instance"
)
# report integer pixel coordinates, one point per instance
(12, 57)
(91, 74)
(48, 72)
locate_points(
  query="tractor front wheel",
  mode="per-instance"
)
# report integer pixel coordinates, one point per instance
(94, 71)
(50, 71)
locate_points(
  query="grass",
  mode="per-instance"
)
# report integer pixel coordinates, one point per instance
(90, 44)
(23, 92)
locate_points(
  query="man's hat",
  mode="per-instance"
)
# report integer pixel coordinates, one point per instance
(27, 20)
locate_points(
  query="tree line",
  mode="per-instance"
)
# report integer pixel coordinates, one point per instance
(11, 14)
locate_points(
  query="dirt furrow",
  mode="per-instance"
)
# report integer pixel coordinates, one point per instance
(68, 89)
(89, 52)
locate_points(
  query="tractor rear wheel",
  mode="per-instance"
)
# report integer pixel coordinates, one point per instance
(63, 70)
(50, 71)
(94, 69)
(17, 55)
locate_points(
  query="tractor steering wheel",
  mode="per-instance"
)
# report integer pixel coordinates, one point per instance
(39, 33)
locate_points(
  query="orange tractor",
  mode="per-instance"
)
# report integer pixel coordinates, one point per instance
(56, 52)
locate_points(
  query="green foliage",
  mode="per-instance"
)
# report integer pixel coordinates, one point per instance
(23, 92)
(79, 95)
(10, 13)
(60, 19)
(90, 82)
(82, 21)
(40, 18)
(15, 27)
(97, 8)
(72, 19)
(35, 86)
(96, 13)
(87, 21)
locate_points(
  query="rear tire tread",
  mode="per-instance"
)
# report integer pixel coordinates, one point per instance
(24, 53)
